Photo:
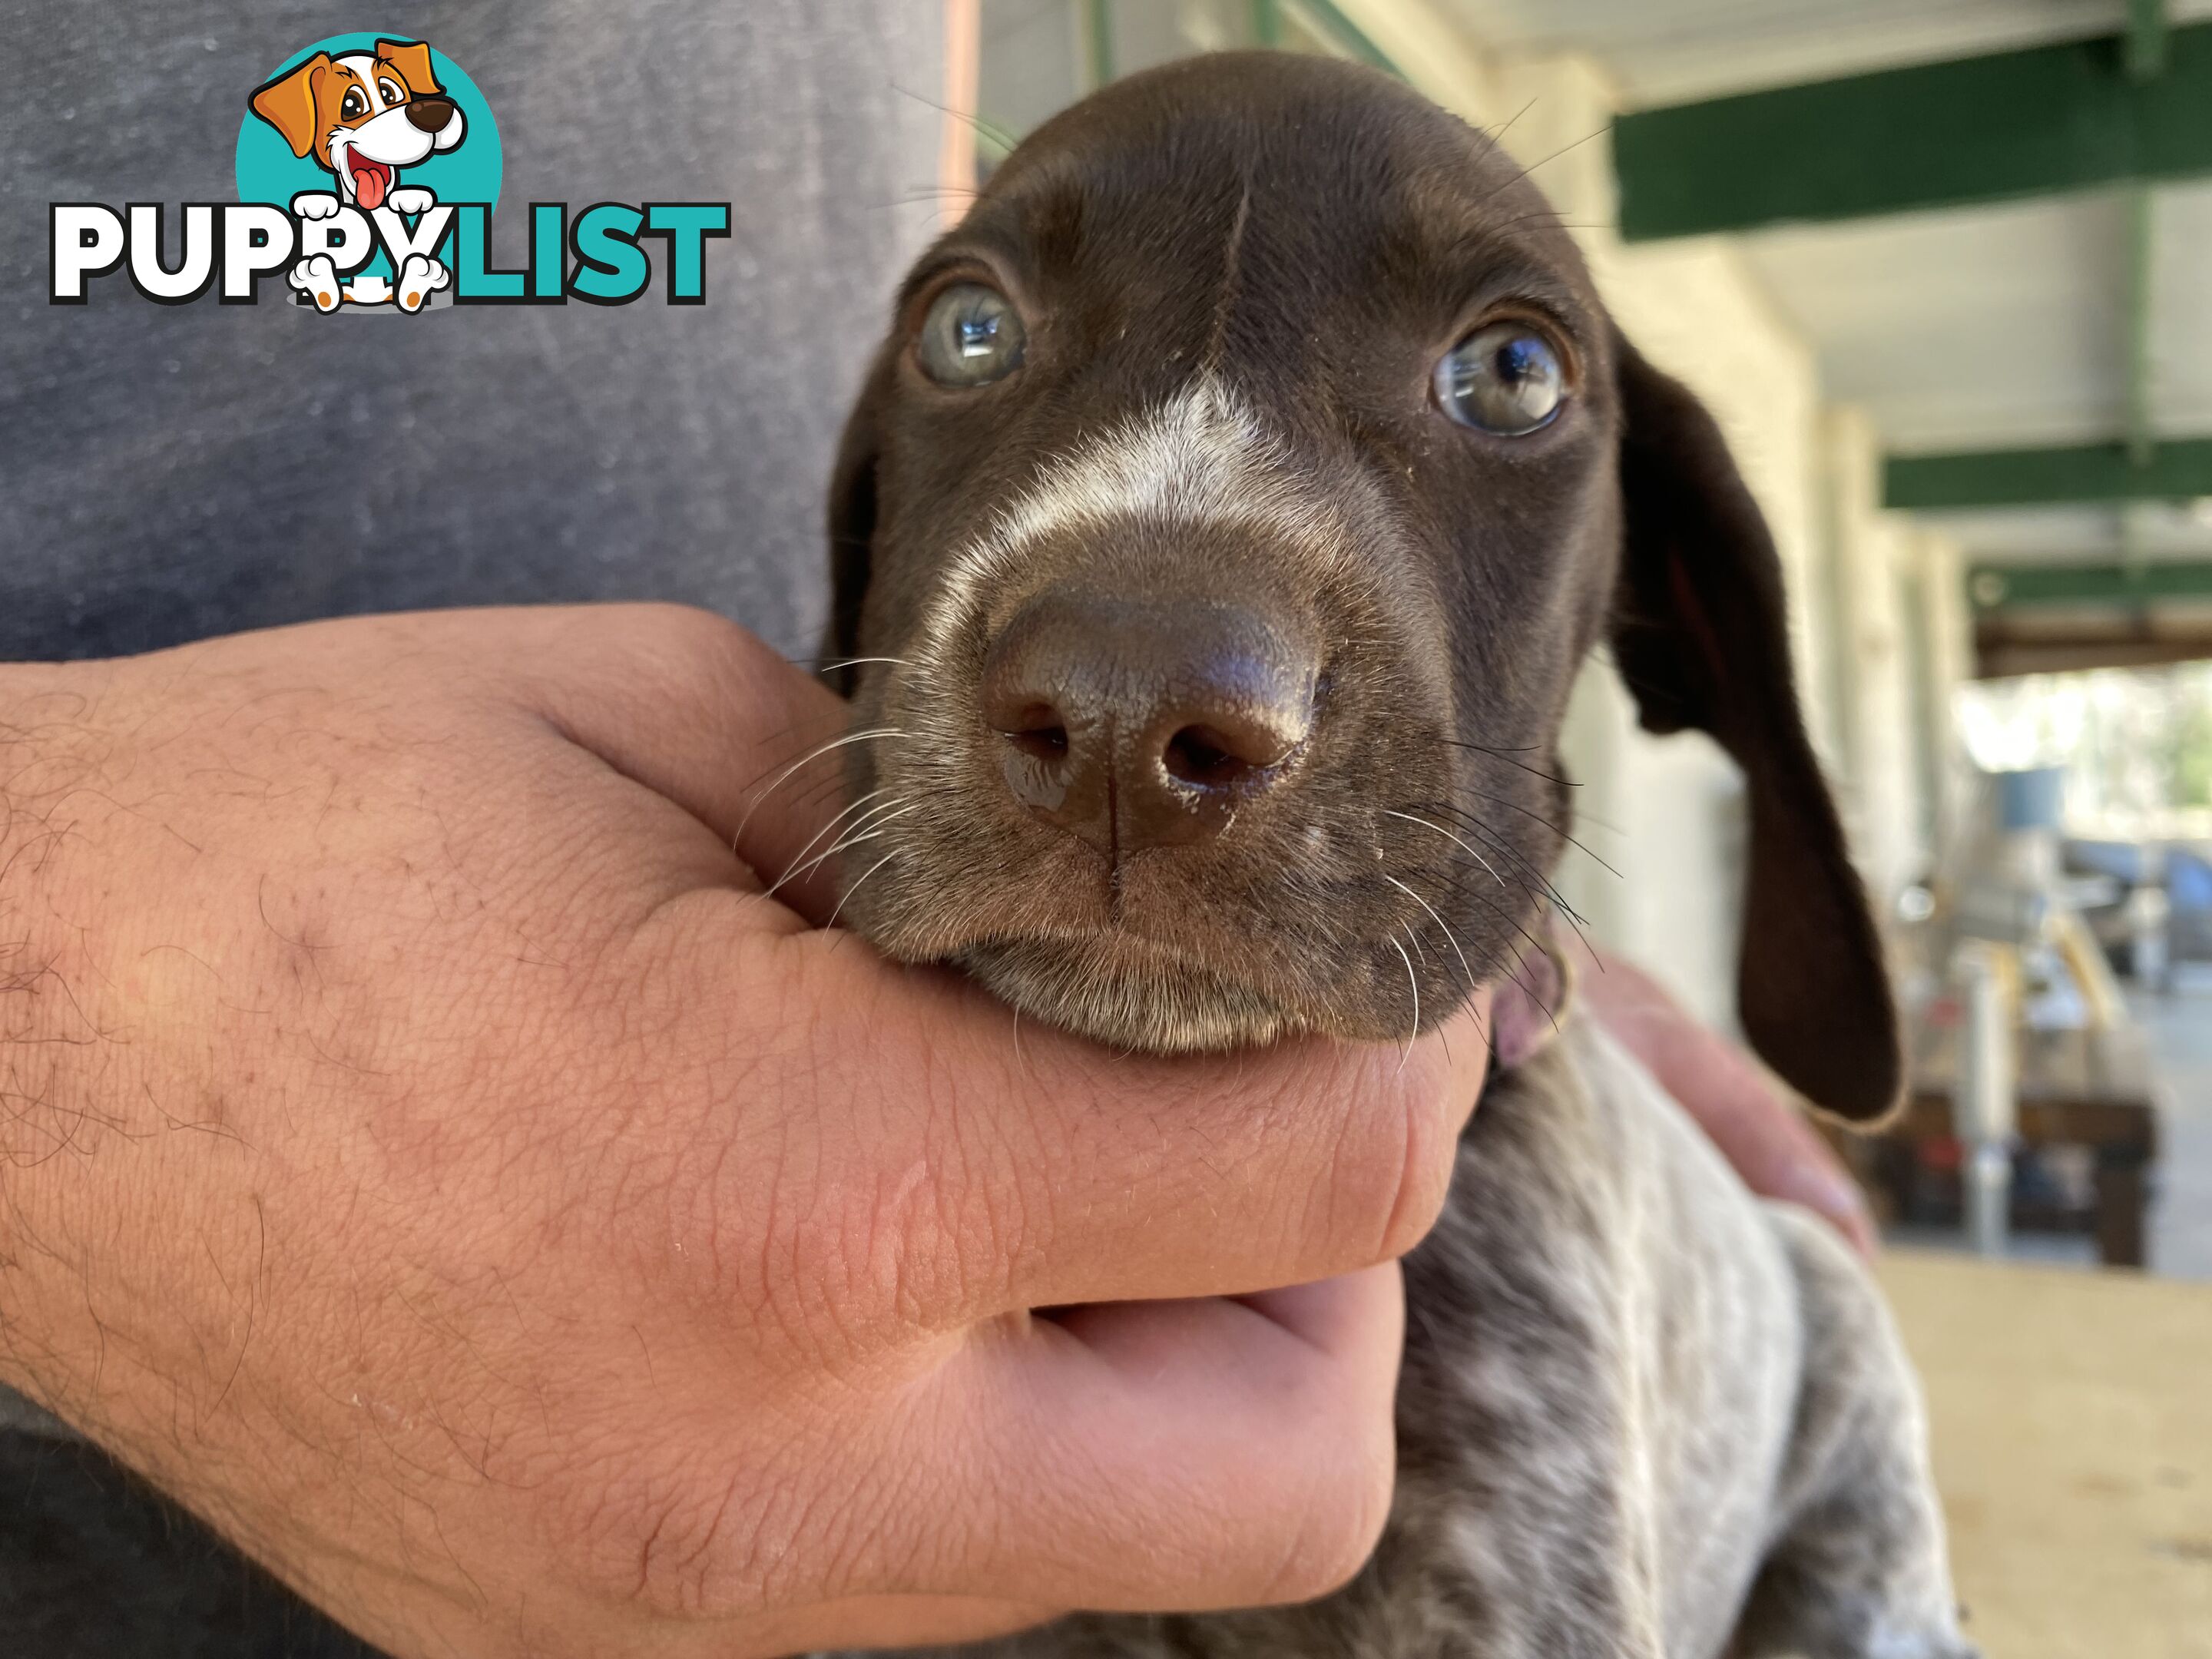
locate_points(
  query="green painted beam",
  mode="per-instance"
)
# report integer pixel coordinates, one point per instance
(1330, 20)
(2147, 32)
(2017, 123)
(2145, 61)
(2136, 324)
(1098, 40)
(2178, 469)
(1996, 587)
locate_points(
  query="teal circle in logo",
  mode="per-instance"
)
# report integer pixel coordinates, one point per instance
(470, 172)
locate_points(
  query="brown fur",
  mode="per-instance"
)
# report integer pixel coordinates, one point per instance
(1636, 1404)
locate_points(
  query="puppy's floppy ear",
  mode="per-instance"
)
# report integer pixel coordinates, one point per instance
(413, 59)
(287, 103)
(1701, 635)
(853, 524)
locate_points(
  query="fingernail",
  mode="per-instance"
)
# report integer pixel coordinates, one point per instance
(1838, 1199)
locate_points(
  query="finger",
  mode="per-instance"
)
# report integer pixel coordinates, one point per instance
(1192, 1454)
(1778, 1153)
(1781, 1156)
(873, 1622)
(1768, 1141)
(1001, 1173)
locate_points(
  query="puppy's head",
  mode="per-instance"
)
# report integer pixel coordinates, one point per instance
(1219, 534)
(363, 115)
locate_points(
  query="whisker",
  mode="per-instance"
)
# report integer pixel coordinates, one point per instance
(822, 667)
(1506, 755)
(827, 829)
(1480, 897)
(1520, 957)
(1514, 856)
(812, 756)
(1390, 811)
(982, 127)
(1449, 936)
(1496, 136)
(1407, 1054)
(1547, 823)
(1547, 162)
(857, 885)
(853, 838)
(1414, 939)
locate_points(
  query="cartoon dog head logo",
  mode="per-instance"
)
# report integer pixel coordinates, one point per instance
(364, 116)
(364, 112)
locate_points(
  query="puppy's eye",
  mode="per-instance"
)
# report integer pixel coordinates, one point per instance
(392, 91)
(1505, 378)
(971, 335)
(353, 103)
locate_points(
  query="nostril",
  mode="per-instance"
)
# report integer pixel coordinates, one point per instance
(1047, 743)
(1146, 723)
(1039, 732)
(1201, 754)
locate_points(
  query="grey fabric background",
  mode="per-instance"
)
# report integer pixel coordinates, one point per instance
(170, 472)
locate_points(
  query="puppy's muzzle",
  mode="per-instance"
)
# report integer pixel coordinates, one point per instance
(1135, 723)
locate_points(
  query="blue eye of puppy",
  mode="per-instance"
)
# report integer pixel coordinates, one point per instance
(970, 336)
(1505, 378)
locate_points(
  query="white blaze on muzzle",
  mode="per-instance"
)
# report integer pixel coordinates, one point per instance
(1203, 459)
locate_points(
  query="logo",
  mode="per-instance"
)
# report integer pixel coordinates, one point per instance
(367, 168)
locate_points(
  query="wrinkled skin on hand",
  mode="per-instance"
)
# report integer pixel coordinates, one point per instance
(430, 1157)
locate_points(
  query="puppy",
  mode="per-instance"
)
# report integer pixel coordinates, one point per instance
(364, 116)
(1221, 529)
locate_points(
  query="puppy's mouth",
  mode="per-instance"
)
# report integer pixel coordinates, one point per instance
(1130, 990)
(371, 179)
(1147, 912)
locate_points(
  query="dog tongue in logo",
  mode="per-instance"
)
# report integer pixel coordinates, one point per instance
(370, 180)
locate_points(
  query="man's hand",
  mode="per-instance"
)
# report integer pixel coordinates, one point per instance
(430, 1157)
(1772, 1145)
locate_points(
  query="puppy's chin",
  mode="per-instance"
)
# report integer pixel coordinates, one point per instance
(1130, 996)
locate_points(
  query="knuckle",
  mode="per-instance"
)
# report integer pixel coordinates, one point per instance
(689, 627)
(1338, 1526)
(1428, 1150)
(693, 646)
(678, 660)
(831, 1264)
(1389, 1176)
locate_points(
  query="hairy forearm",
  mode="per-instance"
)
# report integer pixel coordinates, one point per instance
(54, 776)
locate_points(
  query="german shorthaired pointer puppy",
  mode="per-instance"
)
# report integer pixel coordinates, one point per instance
(1222, 526)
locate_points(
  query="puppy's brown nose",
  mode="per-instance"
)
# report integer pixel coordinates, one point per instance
(1144, 723)
(430, 114)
